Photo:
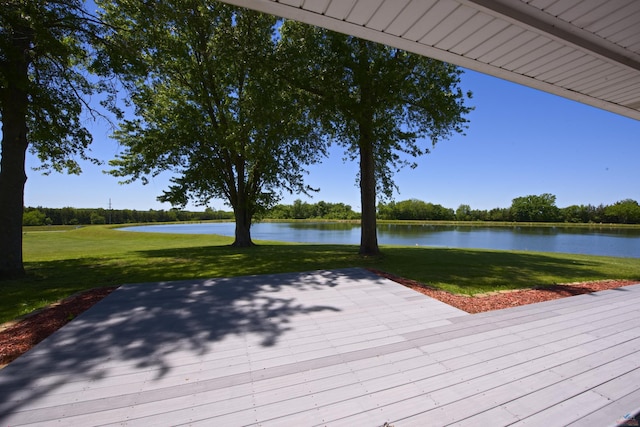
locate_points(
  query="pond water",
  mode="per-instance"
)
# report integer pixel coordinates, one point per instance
(591, 241)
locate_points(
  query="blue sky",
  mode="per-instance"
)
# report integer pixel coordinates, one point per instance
(520, 141)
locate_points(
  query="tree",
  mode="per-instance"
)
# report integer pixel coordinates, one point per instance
(211, 106)
(33, 217)
(45, 53)
(387, 210)
(576, 214)
(300, 210)
(463, 213)
(624, 212)
(499, 214)
(535, 208)
(412, 209)
(96, 218)
(378, 102)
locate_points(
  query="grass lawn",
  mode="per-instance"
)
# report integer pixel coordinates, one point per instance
(64, 261)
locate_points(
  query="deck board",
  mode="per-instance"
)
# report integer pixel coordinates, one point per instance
(340, 347)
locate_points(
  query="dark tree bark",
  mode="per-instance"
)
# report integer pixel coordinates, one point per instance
(243, 228)
(14, 104)
(240, 203)
(368, 228)
(12, 181)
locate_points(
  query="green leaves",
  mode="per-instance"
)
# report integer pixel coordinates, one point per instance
(377, 102)
(54, 41)
(535, 208)
(624, 211)
(368, 93)
(210, 106)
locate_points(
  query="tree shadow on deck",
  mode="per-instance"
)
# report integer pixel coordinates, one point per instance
(152, 328)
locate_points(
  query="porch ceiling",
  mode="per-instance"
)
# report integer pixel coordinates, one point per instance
(584, 50)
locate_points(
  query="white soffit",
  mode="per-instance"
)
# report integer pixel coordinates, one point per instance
(584, 50)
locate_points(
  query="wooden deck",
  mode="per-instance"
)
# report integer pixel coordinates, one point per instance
(339, 348)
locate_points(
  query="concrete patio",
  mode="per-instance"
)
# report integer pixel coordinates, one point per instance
(339, 348)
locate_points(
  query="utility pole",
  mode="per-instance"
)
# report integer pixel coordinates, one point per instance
(109, 210)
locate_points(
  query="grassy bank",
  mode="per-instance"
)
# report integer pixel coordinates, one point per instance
(64, 261)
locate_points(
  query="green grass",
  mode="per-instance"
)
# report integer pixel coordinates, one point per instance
(67, 261)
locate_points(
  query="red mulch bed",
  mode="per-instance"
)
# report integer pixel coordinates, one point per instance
(506, 299)
(19, 336)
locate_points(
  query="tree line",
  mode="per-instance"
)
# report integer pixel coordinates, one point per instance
(320, 210)
(532, 208)
(86, 216)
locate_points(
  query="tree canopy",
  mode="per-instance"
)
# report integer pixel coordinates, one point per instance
(625, 212)
(414, 210)
(211, 105)
(46, 53)
(535, 208)
(380, 103)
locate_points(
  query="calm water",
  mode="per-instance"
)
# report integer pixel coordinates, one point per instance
(596, 241)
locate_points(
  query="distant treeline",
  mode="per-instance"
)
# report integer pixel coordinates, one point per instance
(79, 216)
(533, 208)
(320, 210)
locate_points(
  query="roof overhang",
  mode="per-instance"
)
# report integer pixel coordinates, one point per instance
(584, 50)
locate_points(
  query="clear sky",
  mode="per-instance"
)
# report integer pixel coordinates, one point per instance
(520, 142)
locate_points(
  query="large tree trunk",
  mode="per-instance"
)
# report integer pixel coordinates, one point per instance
(369, 232)
(14, 105)
(241, 211)
(243, 228)
(12, 180)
